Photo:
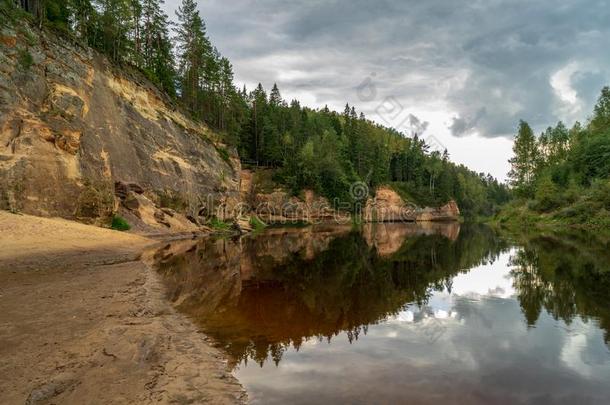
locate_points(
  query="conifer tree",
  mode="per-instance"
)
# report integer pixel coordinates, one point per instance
(524, 163)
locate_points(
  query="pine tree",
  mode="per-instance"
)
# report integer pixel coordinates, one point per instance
(83, 17)
(191, 51)
(113, 28)
(601, 113)
(156, 48)
(275, 99)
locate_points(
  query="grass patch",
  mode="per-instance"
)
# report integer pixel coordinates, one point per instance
(257, 224)
(224, 154)
(219, 225)
(25, 59)
(120, 224)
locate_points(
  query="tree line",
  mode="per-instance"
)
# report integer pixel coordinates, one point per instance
(319, 149)
(566, 169)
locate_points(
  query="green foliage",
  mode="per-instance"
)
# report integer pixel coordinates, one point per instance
(547, 194)
(567, 176)
(257, 224)
(10, 13)
(224, 154)
(120, 224)
(25, 59)
(219, 225)
(524, 162)
(170, 200)
(601, 115)
(329, 152)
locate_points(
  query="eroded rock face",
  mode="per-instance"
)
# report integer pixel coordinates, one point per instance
(280, 206)
(448, 212)
(388, 206)
(71, 126)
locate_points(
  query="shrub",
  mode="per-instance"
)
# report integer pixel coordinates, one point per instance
(548, 196)
(25, 59)
(120, 224)
(600, 192)
(257, 224)
(219, 225)
(224, 154)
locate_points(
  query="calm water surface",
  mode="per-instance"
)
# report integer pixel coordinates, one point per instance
(400, 313)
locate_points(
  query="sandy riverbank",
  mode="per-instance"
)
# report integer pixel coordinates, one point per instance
(83, 320)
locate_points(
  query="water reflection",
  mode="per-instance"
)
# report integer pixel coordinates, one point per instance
(446, 311)
(568, 276)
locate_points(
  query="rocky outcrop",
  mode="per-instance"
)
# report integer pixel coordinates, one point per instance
(388, 206)
(448, 212)
(72, 126)
(279, 206)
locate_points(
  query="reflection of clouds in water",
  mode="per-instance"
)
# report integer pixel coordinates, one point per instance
(454, 344)
(491, 280)
(487, 280)
(580, 351)
(404, 316)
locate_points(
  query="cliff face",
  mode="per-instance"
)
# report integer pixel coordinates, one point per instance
(78, 138)
(388, 206)
(273, 203)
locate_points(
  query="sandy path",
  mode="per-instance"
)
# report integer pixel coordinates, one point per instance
(82, 320)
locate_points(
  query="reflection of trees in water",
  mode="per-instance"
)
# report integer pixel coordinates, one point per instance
(566, 276)
(289, 298)
(348, 287)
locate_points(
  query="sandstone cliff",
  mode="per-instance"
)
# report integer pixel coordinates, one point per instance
(79, 138)
(273, 203)
(388, 206)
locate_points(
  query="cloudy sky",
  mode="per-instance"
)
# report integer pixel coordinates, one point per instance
(464, 70)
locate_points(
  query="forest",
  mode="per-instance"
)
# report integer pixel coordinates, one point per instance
(308, 148)
(563, 175)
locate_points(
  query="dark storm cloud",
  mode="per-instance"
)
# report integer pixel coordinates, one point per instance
(488, 63)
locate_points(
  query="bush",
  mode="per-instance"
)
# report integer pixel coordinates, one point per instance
(224, 154)
(219, 225)
(600, 193)
(548, 196)
(120, 224)
(25, 59)
(257, 224)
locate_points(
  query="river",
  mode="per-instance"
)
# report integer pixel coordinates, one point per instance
(402, 313)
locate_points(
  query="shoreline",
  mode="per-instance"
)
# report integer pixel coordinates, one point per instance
(83, 316)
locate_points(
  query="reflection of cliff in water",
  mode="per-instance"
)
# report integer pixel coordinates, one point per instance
(261, 294)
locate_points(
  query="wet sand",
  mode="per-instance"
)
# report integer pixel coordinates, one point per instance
(84, 320)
